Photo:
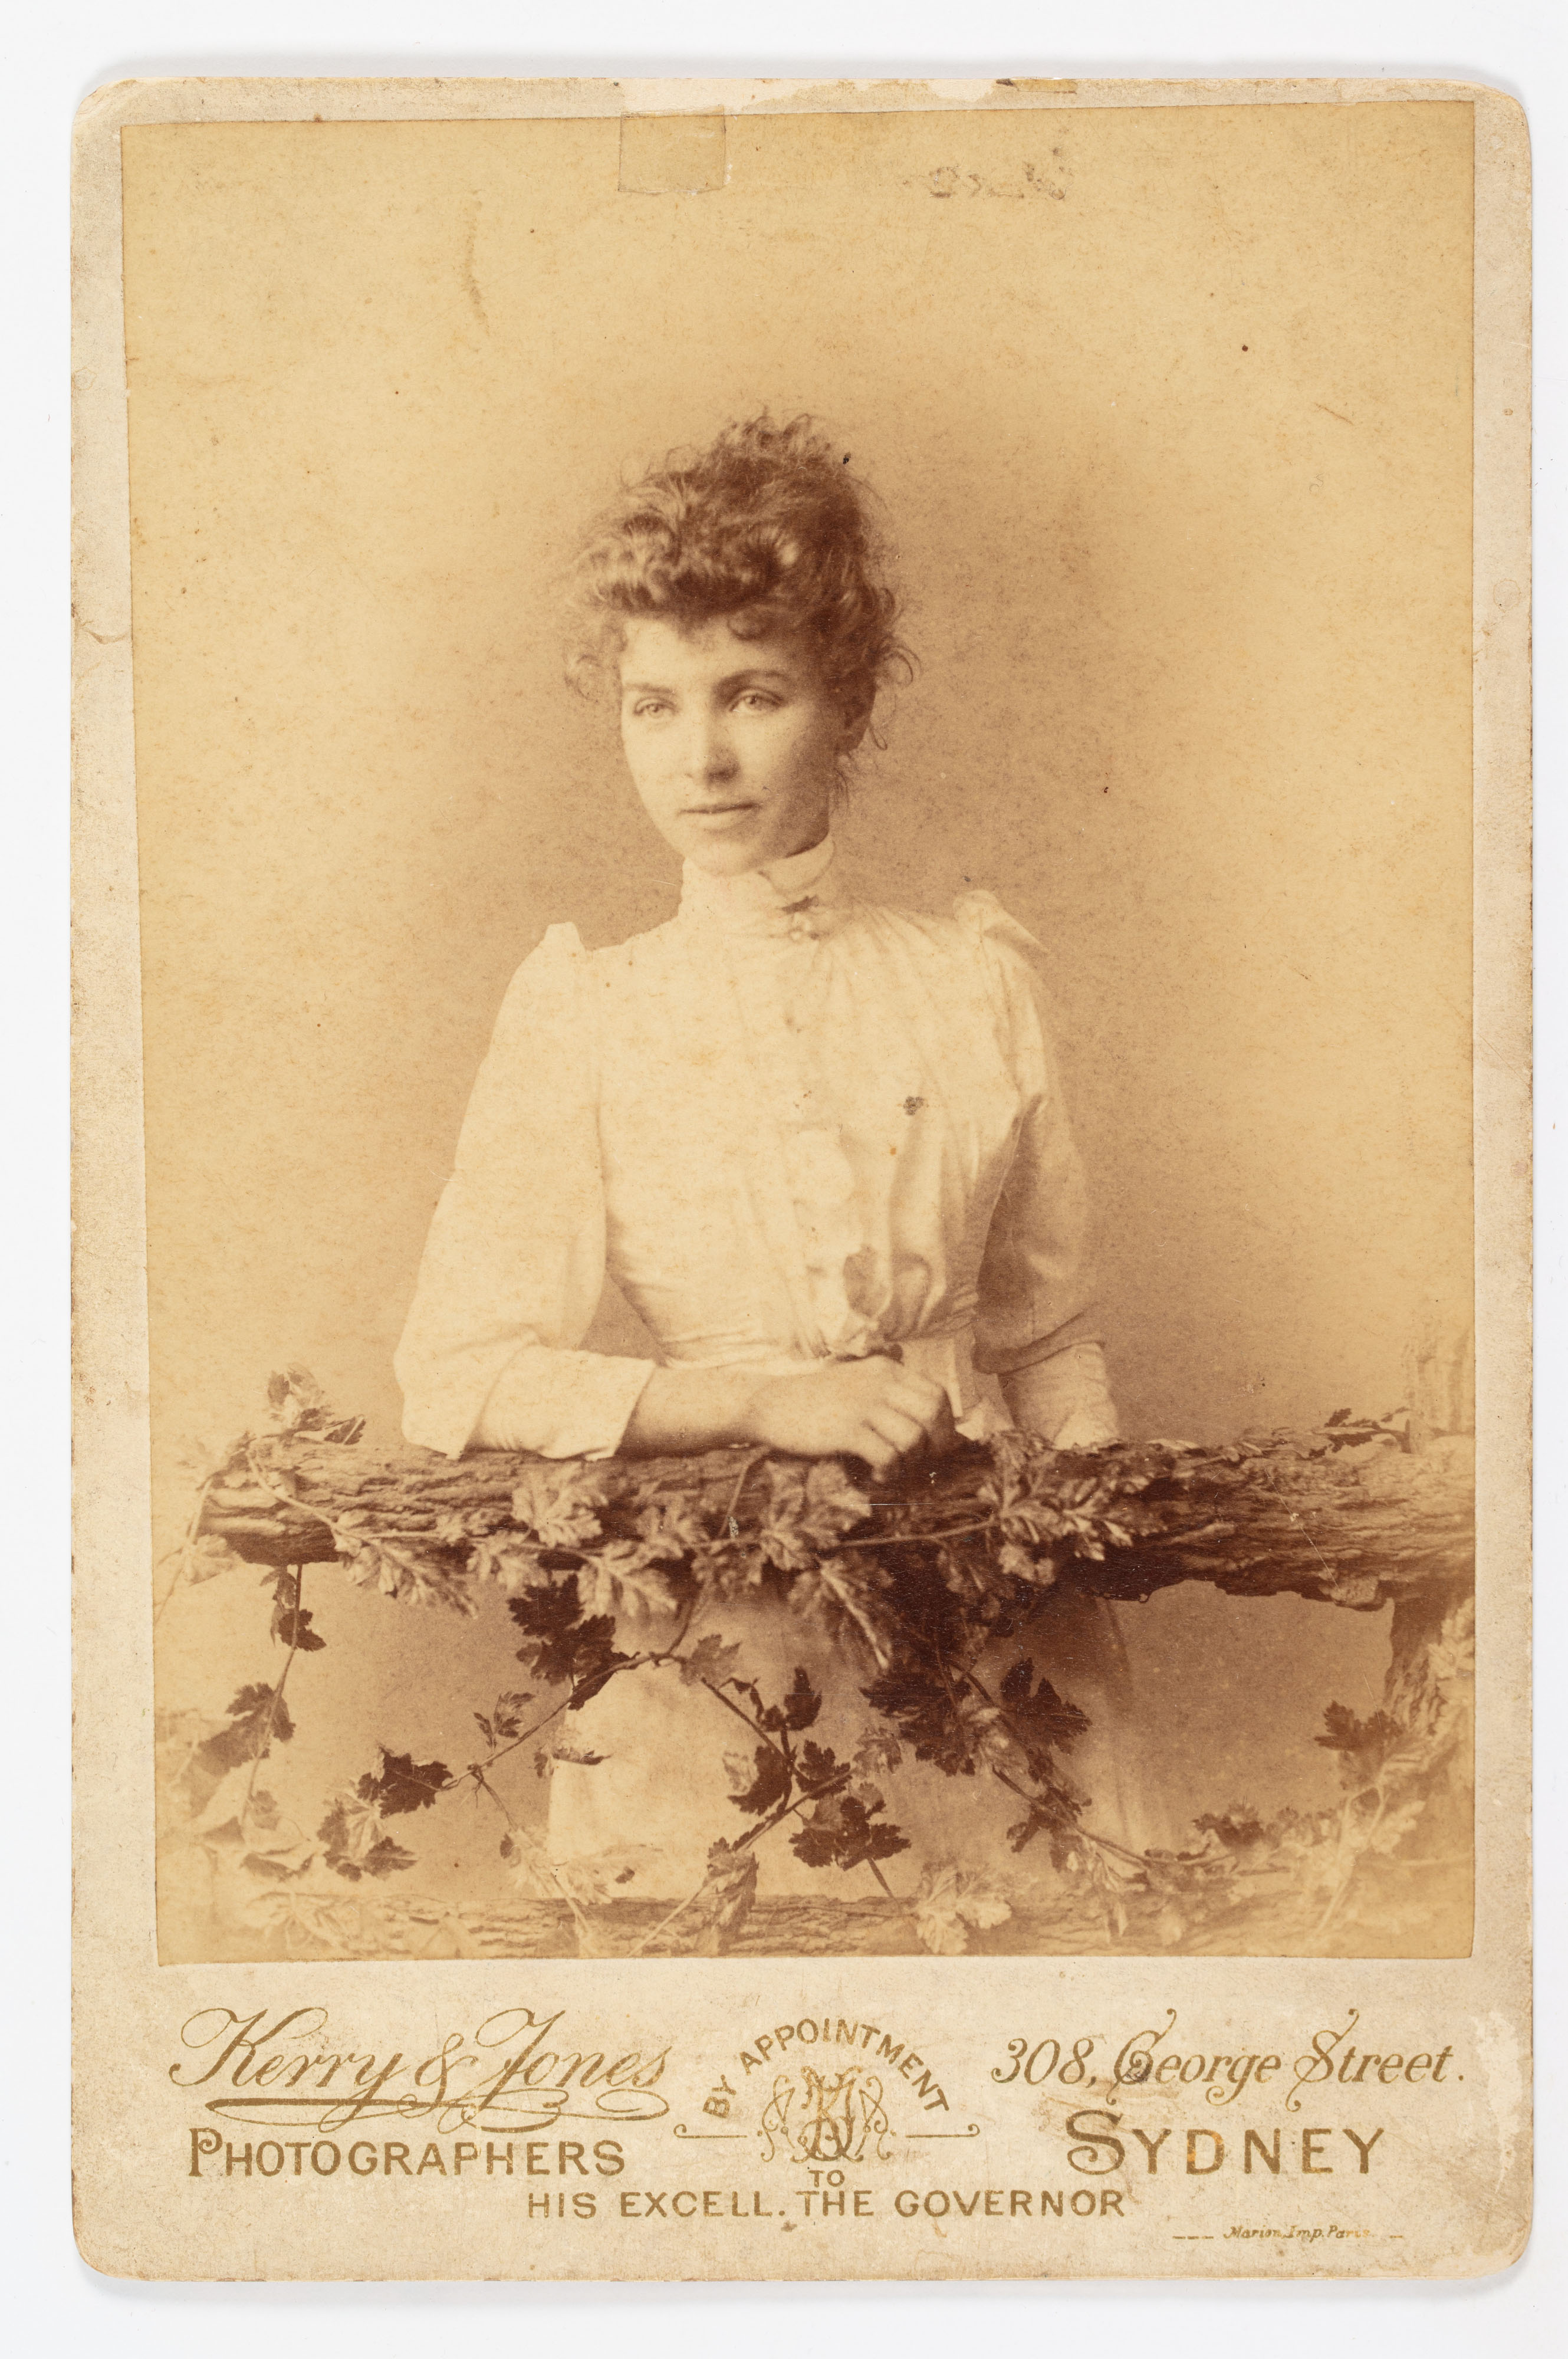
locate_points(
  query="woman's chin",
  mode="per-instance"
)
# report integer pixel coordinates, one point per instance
(732, 851)
(729, 854)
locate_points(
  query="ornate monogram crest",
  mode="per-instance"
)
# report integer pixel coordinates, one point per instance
(822, 2118)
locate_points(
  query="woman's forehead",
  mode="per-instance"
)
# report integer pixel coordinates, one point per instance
(657, 647)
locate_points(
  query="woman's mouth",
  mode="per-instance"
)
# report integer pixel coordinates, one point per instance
(717, 815)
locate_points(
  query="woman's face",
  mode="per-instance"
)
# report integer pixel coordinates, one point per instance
(733, 743)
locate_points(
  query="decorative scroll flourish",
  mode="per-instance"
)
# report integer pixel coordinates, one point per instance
(605, 1568)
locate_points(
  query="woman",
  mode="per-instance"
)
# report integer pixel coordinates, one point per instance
(819, 1145)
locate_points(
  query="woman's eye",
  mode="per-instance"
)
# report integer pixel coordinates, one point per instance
(757, 700)
(648, 707)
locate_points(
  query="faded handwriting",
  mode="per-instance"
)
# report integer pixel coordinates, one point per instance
(952, 181)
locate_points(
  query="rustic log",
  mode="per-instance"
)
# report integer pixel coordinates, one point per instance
(1359, 1528)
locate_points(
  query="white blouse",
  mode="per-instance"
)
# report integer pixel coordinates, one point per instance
(791, 1125)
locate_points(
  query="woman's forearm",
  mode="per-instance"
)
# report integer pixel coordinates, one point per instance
(686, 1409)
(871, 1408)
(575, 1403)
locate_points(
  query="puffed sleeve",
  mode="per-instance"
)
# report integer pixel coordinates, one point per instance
(1036, 1288)
(515, 1262)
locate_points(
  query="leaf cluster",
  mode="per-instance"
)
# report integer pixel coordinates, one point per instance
(291, 1620)
(257, 1718)
(504, 1719)
(1364, 1745)
(403, 1784)
(301, 1409)
(809, 1506)
(952, 1901)
(562, 1645)
(354, 1844)
(841, 1811)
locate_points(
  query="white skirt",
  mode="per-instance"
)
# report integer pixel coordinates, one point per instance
(638, 1821)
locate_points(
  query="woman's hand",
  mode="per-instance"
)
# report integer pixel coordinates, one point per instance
(873, 1409)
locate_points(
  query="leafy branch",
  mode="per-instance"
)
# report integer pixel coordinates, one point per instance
(930, 1587)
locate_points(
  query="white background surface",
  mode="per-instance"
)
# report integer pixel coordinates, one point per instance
(53, 57)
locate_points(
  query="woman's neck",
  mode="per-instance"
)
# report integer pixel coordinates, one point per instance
(798, 870)
(760, 897)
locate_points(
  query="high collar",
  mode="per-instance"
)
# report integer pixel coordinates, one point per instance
(787, 897)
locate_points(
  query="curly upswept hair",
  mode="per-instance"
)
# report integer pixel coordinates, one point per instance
(766, 527)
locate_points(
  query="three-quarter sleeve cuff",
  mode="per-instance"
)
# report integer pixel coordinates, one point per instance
(561, 1403)
(1066, 1398)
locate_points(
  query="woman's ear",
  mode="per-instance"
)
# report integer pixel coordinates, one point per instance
(856, 710)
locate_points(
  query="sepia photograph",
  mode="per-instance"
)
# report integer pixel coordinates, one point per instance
(801, 1272)
(804, 812)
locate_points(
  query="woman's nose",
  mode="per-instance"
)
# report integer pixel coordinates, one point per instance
(708, 752)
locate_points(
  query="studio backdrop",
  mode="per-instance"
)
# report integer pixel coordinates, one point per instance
(1168, 411)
